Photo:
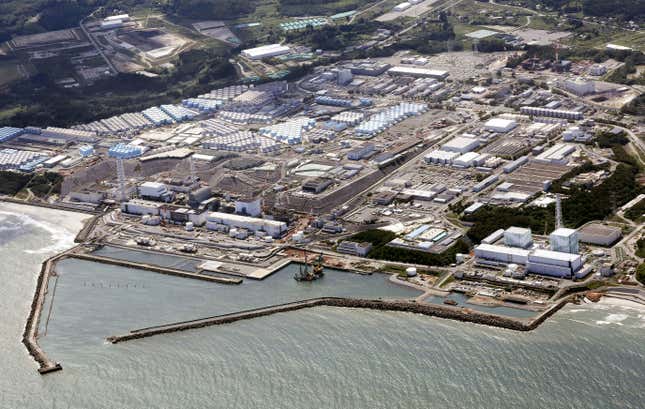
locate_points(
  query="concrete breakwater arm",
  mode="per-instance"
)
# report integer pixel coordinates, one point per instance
(448, 312)
(156, 269)
(31, 327)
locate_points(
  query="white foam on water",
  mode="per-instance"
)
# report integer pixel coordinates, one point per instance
(616, 319)
(60, 236)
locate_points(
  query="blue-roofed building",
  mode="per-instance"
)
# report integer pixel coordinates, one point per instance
(8, 133)
(339, 102)
(86, 150)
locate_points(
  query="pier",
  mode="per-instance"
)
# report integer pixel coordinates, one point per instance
(440, 311)
(156, 269)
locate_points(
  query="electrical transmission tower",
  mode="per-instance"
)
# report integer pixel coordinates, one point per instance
(558, 211)
(120, 175)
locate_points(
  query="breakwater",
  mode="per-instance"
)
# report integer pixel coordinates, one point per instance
(69, 207)
(156, 269)
(88, 228)
(440, 311)
(30, 334)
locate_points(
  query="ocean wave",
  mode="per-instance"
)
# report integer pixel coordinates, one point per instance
(616, 319)
(61, 238)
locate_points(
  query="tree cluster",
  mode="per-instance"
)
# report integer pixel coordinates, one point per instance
(381, 251)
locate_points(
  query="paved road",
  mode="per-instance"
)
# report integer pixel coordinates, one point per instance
(95, 43)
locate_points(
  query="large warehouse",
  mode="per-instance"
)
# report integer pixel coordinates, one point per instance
(271, 227)
(599, 234)
(554, 263)
(460, 144)
(500, 125)
(266, 51)
(418, 72)
(538, 261)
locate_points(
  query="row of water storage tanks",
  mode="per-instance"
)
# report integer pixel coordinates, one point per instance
(203, 104)
(178, 112)
(349, 118)
(125, 151)
(240, 233)
(290, 131)
(390, 116)
(157, 116)
(226, 93)
(241, 142)
(244, 117)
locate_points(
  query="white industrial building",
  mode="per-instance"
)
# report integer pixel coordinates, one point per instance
(518, 237)
(599, 234)
(440, 157)
(141, 207)
(87, 196)
(579, 87)
(564, 240)
(500, 125)
(493, 237)
(251, 207)
(539, 261)
(173, 214)
(402, 6)
(502, 254)
(418, 72)
(557, 154)
(154, 191)
(273, 228)
(354, 248)
(466, 160)
(461, 144)
(266, 51)
(554, 263)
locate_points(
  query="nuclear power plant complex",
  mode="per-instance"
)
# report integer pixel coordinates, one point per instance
(456, 173)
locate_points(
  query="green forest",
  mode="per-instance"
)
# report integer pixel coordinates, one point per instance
(381, 251)
(626, 9)
(581, 206)
(40, 184)
(39, 98)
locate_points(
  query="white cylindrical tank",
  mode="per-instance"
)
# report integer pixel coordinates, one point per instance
(190, 226)
(411, 271)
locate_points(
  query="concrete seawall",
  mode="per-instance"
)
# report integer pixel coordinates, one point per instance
(66, 208)
(29, 336)
(156, 269)
(454, 313)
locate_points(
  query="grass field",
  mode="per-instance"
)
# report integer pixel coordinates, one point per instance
(9, 72)
(603, 36)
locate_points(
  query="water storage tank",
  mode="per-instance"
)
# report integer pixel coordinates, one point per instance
(190, 226)
(411, 271)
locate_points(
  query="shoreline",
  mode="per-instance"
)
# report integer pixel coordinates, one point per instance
(30, 332)
(413, 305)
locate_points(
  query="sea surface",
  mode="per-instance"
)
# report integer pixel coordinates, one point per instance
(586, 356)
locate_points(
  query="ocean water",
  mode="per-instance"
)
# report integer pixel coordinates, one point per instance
(588, 356)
